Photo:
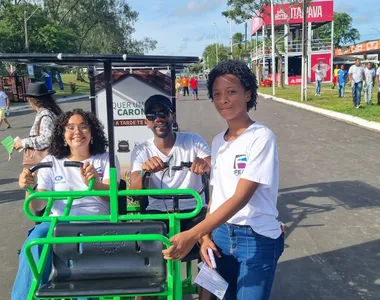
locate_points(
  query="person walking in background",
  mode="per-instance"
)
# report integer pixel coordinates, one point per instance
(185, 85)
(335, 79)
(177, 88)
(318, 80)
(370, 75)
(356, 77)
(342, 79)
(194, 87)
(4, 105)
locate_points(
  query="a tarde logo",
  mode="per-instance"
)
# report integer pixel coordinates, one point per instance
(239, 164)
(58, 178)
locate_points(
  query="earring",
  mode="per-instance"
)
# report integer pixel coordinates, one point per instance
(65, 144)
(92, 140)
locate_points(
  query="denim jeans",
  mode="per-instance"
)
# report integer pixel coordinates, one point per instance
(24, 277)
(248, 261)
(318, 87)
(342, 86)
(368, 93)
(357, 92)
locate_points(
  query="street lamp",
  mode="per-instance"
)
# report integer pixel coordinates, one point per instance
(216, 45)
(376, 30)
(26, 19)
(273, 54)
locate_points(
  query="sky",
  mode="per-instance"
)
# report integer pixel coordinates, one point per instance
(186, 27)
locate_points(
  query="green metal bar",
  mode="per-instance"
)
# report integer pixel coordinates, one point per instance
(133, 208)
(113, 195)
(69, 203)
(49, 206)
(38, 270)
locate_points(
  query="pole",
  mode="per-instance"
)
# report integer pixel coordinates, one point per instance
(273, 53)
(231, 36)
(26, 32)
(332, 50)
(246, 35)
(216, 45)
(109, 104)
(304, 52)
(91, 77)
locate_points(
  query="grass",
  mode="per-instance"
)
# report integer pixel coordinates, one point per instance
(83, 88)
(329, 100)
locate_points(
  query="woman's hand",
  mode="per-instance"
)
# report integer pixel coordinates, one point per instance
(182, 244)
(26, 179)
(206, 242)
(88, 172)
(18, 144)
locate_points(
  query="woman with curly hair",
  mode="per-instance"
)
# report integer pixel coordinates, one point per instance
(242, 226)
(41, 100)
(77, 136)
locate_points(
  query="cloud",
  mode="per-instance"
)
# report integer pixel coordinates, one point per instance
(205, 36)
(197, 7)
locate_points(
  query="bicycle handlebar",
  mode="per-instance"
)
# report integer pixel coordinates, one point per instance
(66, 164)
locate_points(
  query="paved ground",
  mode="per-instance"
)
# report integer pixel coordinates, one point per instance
(328, 200)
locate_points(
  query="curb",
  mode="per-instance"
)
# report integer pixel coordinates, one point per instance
(371, 125)
(60, 100)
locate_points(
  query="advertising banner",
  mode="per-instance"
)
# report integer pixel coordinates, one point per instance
(325, 62)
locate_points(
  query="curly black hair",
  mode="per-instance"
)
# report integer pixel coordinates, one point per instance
(240, 70)
(47, 102)
(57, 146)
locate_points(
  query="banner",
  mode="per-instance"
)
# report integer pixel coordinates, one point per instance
(317, 12)
(359, 48)
(325, 62)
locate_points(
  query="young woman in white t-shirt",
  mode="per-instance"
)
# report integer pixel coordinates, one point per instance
(247, 237)
(77, 136)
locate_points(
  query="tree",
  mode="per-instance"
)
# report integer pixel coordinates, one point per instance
(344, 34)
(197, 68)
(209, 54)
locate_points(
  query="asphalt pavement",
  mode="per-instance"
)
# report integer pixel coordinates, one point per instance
(329, 199)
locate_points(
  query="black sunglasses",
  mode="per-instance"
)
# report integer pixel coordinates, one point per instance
(153, 115)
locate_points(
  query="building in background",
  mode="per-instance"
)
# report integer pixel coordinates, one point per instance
(288, 23)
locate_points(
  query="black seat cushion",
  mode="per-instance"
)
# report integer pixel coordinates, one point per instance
(97, 269)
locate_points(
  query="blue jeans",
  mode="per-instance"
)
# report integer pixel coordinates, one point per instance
(368, 93)
(24, 277)
(342, 86)
(248, 261)
(318, 87)
(357, 92)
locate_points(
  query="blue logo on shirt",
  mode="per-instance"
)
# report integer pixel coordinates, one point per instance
(58, 178)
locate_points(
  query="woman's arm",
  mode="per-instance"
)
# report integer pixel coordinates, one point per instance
(42, 141)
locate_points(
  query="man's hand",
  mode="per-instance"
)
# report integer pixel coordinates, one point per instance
(88, 172)
(182, 243)
(153, 165)
(200, 166)
(26, 179)
(206, 242)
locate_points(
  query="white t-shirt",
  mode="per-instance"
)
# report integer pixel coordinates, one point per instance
(318, 75)
(3, 99)
(357, 73)
(378, 71)
(369, 75)
(187, 147)
(60, 178)
(252, 156)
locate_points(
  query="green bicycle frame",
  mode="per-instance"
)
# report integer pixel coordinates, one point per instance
(174, 283)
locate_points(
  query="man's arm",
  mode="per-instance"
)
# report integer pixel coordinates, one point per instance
(8, 102)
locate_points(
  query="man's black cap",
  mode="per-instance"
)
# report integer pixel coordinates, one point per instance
(157, 100)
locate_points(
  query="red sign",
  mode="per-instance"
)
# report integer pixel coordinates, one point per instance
(317, 12)
(294, 80)
(325, 62)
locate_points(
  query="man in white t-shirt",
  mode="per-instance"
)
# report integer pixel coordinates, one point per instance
(318, 80)
(370, 75)
(4, 104)
(357, 78)
(173, 148)
(378, 85)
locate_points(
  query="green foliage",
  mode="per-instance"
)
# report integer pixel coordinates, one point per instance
(344, 34)
(197, 68)
(209, 54)
(71, 26)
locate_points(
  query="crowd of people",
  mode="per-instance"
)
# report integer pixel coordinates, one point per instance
(182, 85)
(362, 79)
(240, 223)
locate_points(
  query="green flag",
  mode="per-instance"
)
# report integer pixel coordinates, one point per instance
(8, 143)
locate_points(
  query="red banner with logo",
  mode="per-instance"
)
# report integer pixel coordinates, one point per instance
(317, 12)
(325, 62)
(360, 48)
